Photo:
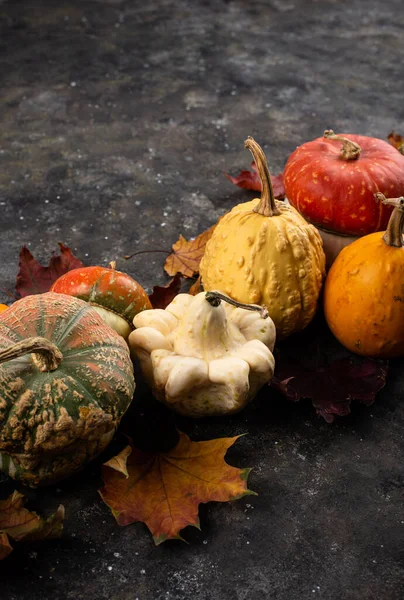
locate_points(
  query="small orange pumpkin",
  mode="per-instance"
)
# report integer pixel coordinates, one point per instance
(364, 290)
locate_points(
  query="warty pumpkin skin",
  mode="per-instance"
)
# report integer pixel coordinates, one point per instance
(59, 407)
(264, 252)
(364, 291)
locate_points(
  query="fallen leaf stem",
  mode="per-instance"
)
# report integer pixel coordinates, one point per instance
(128, 256)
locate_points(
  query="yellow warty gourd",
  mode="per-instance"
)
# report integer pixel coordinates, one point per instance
(265, 252)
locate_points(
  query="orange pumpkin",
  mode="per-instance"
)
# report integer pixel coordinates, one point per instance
(364, 291)
(3, 307)
(114, 295)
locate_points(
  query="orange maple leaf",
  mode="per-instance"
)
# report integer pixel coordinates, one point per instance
(18, 523)
(164, 490)
(186, 255)
(196, 287)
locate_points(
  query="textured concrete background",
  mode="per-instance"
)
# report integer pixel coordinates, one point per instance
(117, 120)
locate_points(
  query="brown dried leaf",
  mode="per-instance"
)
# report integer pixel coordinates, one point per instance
(186, 255)
(18, 523)
(164, 490)
(163, 295)
(5, 547)
(196, 287)
(331, 388)
(312, 364)
(33, 278)
(396, 140)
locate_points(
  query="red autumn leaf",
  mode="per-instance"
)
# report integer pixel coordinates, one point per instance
(249, 180)
(164, 490)
(33, 278)
(18, 523)
(396, 140)
(163, 295)
(186, 255)
(331, 387)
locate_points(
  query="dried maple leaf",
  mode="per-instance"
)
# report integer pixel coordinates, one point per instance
(33, 278)
(18, 523)
(396, 140)
(196, 287)
(186, 255)
(249, 180)
(5, 547)
(163, 295)
(333, 386)
(164, 490)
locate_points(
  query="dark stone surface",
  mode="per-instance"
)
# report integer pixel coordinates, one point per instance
(118, 118)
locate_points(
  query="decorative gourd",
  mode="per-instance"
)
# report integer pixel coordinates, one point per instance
(202, 357)
(114, 295)
(264, 252)
(3, 307)
(333, 186)
(364, 291)
(64, 387)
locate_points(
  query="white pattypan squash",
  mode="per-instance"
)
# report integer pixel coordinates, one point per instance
(203, 357)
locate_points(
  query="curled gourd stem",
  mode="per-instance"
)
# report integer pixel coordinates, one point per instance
(350, 150)
(112, 265)
(45, 355)
(214, 298)
(267, 205)
(393, 235)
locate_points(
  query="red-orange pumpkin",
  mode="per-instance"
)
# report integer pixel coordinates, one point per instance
(66, 379)
(364, 291)
(332, 182)
(115, 295)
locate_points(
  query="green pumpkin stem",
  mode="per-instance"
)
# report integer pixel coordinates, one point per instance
(214, 298)
(350, 150)
(393, 235)
(267, 205)
(45, 355)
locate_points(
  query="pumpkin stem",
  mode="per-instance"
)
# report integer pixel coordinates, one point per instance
(267, 205)
(45, 355)
(350, 150)
(393, 235)
(112, 265)
(214, 298)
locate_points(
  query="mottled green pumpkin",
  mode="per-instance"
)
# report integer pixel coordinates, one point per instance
(61, 402)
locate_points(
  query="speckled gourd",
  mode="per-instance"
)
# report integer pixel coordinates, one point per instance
(66, 379)
(202, 357)
(264, 252)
